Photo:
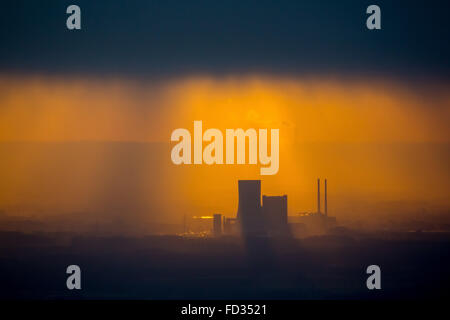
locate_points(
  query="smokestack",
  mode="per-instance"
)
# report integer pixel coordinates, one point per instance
(318, 195)
(326, 205)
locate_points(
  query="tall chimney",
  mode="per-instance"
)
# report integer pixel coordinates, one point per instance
(318, 195)
(326, 205)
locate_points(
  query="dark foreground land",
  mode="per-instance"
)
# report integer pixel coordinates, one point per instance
(413, 265)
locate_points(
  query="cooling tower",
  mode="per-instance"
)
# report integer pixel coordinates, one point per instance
(249, 212)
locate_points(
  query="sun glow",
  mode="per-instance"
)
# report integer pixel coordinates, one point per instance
(377, 139)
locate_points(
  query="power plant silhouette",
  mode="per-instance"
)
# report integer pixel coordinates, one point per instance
(270, 217)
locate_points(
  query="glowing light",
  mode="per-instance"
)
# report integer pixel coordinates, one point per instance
(372, 139)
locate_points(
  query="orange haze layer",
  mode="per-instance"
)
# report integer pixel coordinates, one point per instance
(96, 145)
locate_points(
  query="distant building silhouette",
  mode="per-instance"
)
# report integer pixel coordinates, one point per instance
(317, 222)
(217, 224)
(326, 205)
(275, 214)
(249, 214)
(318, 196)
(229, 225)
(271, 217)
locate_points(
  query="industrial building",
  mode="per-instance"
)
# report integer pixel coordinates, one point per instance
(249, 214)
(217, 224)
(315, 222)
(275, 214)
(271, 216)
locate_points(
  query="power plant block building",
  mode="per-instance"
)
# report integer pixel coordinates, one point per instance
(275, 214)
(270, 218)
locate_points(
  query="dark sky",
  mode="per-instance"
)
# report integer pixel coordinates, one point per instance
(158, 38)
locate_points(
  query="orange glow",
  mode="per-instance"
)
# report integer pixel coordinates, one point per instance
(372, 139)
(49, 109)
